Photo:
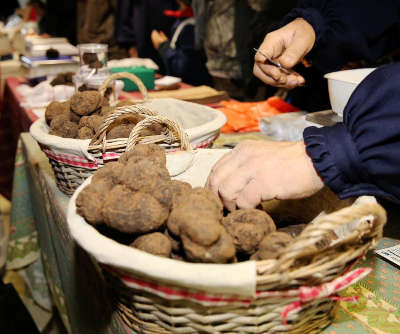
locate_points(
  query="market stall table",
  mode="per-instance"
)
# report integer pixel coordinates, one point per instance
(76, 288)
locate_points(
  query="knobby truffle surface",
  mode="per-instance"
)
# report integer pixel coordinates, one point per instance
(154, 243)
(247, 228)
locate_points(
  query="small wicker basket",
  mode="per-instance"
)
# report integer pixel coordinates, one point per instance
(294, 293)
(74, 160)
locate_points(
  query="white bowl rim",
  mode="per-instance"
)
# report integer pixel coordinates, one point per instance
(350, 76)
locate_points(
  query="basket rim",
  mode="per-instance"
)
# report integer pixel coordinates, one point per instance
(43, 137)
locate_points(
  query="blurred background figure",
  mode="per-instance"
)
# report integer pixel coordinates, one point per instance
(229, 30)
(180, 57)
(96, 21)
(136, 19)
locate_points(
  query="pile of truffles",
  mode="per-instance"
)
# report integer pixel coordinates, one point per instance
(135, 197)
(81, 116)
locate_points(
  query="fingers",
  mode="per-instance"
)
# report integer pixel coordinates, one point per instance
(232, 185)
(294, 52)
(271, 75)
(225, 166)
(250, 196)
(163, 34)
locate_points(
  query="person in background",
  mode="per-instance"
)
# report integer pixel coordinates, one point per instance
(228, 30)
(134, 22)
(96, 20)
(180, 57)
(360, 156)
(33, 11)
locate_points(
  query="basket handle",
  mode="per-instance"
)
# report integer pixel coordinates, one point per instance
(370, 228)
(120, 111)
(176, 132)
(124, 75)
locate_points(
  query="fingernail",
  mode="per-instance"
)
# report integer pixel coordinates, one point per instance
(293, 82)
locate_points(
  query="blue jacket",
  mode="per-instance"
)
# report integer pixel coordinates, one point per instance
(349, 30)
(361, 156)
(181, 58)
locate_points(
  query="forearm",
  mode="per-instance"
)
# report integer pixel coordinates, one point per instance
(361, 156)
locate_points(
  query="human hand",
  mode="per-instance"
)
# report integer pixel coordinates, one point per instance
(256, 171)
(158, 37)
(287, 45)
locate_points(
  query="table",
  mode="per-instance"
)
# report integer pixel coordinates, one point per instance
(38, 217)
(83, 300)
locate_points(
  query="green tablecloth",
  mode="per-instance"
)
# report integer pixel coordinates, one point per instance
(39, 213)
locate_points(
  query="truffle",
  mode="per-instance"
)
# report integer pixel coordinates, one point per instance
(111, 171)
(198, 217)
(90, 201)
(131, 212)
(85, 103)
(222, 251)
(154, 243)
(152, 130)
(55, 109)
(272, 245)
(211, 196)
(96, 64)
(144, 175)
(74, 117)
(247, 228)
(63, 127)
(93, 122)
(85, 133)
(89, 57)
(179, 190)
(149, 151)
(120, 131)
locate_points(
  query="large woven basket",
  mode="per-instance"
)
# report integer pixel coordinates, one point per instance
(294, 293)
(74, 160)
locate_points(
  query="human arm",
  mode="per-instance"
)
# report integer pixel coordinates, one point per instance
(344, 31)
(360, 156)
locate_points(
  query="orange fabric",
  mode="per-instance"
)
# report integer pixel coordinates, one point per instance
(244, 116)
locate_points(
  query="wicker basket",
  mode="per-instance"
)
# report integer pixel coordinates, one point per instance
(294, 293)
(74, 160)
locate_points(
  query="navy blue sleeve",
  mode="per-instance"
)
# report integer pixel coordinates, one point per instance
(349, 30)
(361, 156)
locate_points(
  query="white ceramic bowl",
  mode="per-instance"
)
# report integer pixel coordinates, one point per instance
(341, 85)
